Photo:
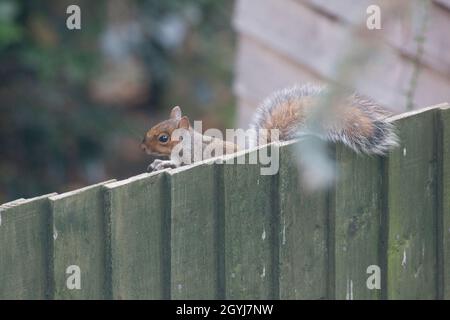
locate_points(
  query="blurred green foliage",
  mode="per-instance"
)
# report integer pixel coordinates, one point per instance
(54, 134)
(10, 30)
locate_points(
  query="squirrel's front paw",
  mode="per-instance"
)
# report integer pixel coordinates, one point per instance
(159, 164)
(151, 166)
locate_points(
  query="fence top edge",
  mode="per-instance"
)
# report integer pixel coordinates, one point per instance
(116, 184)
(302, 138)
(446, 106)
(111, 184)
(418, 111)
(12, 201)
(287, 143)
(22, 201)
(250, 150)
(209, 161)
(10, 204)
(220, 159)
(78, 191)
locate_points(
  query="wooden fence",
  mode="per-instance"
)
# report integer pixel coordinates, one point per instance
(225, 231)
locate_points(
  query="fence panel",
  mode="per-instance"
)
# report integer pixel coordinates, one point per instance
(412, 208)
(79, 244)
(357, 222)
(444, 201)
(197, 251)
(251, 236)
(303, 233)
(138, 213)
(25, 248)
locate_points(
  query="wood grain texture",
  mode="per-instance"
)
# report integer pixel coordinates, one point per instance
(79, 238)
(412, 208)
(256, 65)
(251, 237)
(255, 68)
(138, 210)
(357, 218)
(292, 25)
(196, 254)
(25, 249)
(303, 231)
(444, 201)
(400, 31)
(227, 231)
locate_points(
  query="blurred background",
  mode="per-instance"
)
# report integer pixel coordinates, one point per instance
(75, 104)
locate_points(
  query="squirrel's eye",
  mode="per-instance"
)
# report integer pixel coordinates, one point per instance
(163, 138)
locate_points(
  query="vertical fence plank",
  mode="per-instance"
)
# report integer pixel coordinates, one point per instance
(195, 247)
(138, 213)
(357, 222)
(444, 150)
(303, 233)
(412, 209)
(79, 238)
(25, 249)
(251, 239)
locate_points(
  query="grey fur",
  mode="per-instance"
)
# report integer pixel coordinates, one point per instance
(380, 142)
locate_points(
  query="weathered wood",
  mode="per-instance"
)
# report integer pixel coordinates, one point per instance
(293, 25)
(226, 231)
(256, 65)
(357, 219)
(444, 202)
(196, 250)
(138, 210)
(10, 204)
(79, 238)
(25, 248)
(303, 233)
(412, 172)
(251, 236)
(437, 44)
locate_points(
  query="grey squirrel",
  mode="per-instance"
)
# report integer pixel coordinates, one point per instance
(357, 122)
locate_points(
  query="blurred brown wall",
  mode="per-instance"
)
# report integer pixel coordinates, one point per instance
(283, 42)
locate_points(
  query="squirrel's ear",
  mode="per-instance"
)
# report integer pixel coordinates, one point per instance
(184, 123)
(175, 113)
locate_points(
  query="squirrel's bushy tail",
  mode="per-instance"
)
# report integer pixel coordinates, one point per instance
(359, 123)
